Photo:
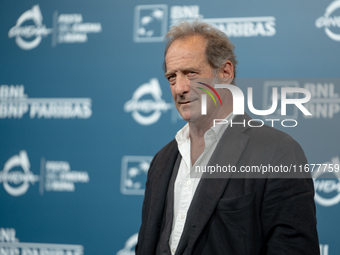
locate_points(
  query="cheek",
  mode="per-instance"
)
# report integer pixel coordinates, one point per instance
(173, 92)
(195, 94)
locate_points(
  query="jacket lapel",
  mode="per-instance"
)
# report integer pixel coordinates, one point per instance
(228, 151)
(158, 191)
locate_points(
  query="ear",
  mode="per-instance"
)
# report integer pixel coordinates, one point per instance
(227, 71)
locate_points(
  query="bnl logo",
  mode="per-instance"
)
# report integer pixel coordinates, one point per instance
(204, 97)
(134, 174)
(150, 23)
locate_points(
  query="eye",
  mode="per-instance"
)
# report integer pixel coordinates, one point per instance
(170, 76)
(191, 74)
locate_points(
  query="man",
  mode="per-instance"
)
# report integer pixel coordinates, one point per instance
(187, 215)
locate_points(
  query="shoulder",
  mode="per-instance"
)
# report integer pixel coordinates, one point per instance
(266, 144)
(264, 135)
(282, 144)
(166, 151)
(172, 145)
(164, 155)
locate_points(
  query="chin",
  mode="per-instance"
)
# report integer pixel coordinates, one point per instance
(195, 117)
(185, 116)
(190, 115)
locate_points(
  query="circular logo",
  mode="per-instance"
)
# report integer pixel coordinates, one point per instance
(129, 248)
(327, 186)
(153, 107)
(20, 178)
(328, 21)
(37, 30)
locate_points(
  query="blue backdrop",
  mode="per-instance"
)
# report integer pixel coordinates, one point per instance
(84, 106)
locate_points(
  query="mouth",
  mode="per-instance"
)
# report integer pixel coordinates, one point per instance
(186, 102)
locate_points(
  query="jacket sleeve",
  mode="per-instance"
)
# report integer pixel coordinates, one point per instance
(288, 208)
(142, 228)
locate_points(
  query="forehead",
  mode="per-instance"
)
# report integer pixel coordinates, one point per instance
(191, 47)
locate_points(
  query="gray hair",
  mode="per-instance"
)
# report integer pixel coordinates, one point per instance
(219, 48)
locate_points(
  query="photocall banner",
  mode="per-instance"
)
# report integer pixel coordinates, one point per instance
(84, 107)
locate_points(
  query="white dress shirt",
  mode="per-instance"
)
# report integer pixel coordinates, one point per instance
(186, 183)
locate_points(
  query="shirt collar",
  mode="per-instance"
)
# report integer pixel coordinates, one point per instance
(216, 132)
(219, 129)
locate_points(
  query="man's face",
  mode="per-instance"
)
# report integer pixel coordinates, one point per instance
(186, 61)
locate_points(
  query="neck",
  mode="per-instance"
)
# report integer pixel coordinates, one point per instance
(197, 130)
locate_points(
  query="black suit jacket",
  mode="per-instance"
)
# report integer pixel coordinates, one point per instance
(237, 215)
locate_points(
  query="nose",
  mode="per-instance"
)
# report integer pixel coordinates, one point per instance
(182, 85)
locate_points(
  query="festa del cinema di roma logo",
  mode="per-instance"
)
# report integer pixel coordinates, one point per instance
(330, 21)
(67, 28)
(327, 184)
(55, 176)
(146, 110)
(238, 102)
(38, 30)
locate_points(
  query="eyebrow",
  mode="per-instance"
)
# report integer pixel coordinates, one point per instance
(181, 70)
(168, 73)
